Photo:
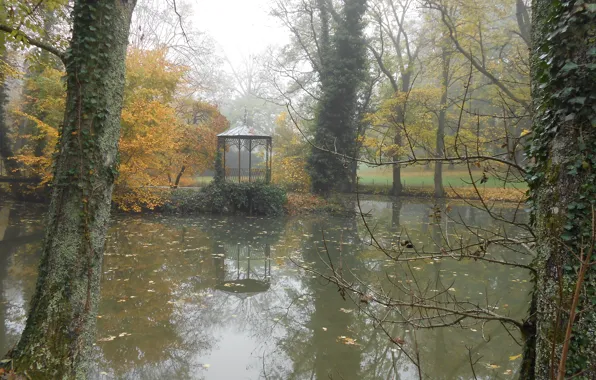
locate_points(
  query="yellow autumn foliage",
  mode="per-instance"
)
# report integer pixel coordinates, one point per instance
(163, 137)
(289, 158)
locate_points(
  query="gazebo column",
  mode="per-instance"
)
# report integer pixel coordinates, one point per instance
(239, 158)
(249, 160)
(224, 159)
(268, 161)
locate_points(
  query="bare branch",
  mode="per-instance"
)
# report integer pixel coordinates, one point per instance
(35, 42)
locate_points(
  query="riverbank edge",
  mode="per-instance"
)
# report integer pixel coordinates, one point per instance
(299, 203)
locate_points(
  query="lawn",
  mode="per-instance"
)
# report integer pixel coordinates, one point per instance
(457, 177)
(423, 177)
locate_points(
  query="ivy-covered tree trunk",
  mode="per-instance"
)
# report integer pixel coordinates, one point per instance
(60, 329)
(563, 187)
(343, 64)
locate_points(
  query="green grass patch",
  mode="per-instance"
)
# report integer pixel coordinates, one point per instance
(423, 177)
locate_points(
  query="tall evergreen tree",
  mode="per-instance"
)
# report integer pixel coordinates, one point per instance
(342, 74)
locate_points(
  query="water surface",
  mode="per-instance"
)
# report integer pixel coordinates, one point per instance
(214, 297)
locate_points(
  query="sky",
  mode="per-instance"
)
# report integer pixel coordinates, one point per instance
(240, 27)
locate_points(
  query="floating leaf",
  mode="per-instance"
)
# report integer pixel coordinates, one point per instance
(515, 357)
(347, 341)
(398, 340)
(107, 339)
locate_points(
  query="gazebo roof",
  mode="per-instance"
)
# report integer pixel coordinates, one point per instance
(243, 131)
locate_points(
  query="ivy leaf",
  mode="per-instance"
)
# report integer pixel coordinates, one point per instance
(578, 100)
(569, 66)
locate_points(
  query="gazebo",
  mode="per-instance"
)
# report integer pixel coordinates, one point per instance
(245, 139)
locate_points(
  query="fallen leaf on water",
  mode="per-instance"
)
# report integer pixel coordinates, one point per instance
(515, 357)
(398, 340)
(107, 339)
(508, 372)
(347, 341)
(492, 366)
(324, 328)
(347, 311)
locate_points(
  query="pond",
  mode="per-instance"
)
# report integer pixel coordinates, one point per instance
(216, 297)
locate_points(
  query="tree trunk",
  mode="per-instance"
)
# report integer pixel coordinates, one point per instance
(10, 166)
(182, 169)
(562, 185)
(397, 139)
(60, 329)
(397, 185)
(440, 141)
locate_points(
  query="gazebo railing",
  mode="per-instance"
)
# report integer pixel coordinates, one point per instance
(246, 175)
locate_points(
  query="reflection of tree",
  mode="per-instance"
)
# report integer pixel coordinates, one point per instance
(5, 234)
(20, 233)
(443, 352)
(159, 286)
(147, 263)
(316, 323)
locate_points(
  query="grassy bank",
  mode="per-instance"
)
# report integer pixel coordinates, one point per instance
(422, 177)
(417, 182)
(510, 194)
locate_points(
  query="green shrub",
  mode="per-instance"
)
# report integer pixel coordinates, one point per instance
(256, 198)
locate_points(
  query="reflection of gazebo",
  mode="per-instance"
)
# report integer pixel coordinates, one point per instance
(243, 269)
(248, 140)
